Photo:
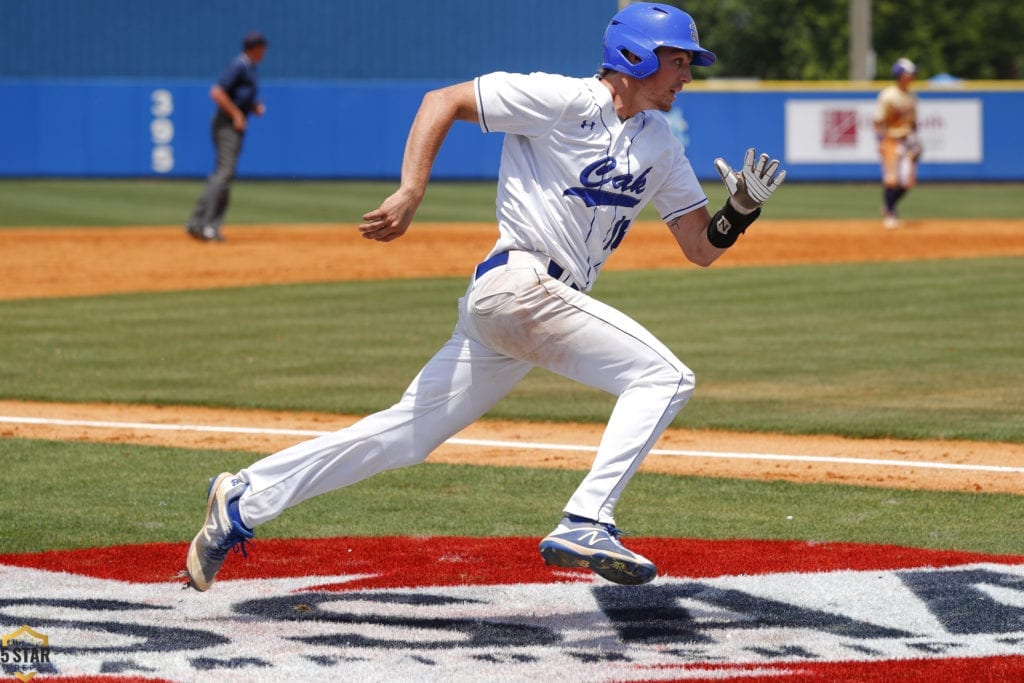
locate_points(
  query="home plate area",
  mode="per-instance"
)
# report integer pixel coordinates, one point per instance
(444, 609)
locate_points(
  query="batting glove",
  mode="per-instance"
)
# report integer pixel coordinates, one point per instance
(753, 185)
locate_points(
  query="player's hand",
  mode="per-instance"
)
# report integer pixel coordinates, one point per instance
(391, 219)
(912, 143)
(751, 187)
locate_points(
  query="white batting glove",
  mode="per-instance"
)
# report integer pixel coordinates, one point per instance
(753, 185)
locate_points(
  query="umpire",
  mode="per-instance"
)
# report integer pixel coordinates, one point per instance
(236, 95)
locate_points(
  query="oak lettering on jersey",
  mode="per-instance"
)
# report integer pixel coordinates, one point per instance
(600, 173)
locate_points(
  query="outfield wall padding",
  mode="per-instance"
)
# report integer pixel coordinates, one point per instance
(357, 129)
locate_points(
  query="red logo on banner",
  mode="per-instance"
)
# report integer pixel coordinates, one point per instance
(840, 129)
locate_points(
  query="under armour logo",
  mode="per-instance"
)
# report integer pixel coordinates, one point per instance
(587, 124)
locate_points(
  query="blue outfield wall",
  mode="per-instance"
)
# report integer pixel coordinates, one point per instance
(357, 129)
(309, 39)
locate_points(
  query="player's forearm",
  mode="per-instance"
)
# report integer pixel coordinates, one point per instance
(690, 232)
(223, 101)
(438, 111)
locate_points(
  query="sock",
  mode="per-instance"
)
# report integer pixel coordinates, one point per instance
(235, 516)
(576, 519)
(891, 195)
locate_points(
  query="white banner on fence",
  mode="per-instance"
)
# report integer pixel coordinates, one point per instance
(842, 132)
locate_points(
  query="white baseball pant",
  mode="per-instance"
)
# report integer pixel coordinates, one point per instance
(512, 318)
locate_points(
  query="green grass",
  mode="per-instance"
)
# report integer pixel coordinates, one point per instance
(913, 350)
(75, 495)
(77, 202)
(169, 202)
(925, 349)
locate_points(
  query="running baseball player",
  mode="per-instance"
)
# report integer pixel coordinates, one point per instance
(581, 158)
(898, 142)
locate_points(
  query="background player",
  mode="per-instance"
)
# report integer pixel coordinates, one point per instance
(237, 96)
(898, 142)
(581, 158)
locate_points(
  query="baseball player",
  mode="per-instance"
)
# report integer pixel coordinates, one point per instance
(898, 142)
(236, 94)
(581, 158)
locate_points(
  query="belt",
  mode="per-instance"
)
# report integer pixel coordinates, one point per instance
(501, 258)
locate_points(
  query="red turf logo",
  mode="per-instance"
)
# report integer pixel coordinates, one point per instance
(471, 609)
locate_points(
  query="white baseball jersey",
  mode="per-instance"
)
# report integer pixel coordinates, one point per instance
(576, 176)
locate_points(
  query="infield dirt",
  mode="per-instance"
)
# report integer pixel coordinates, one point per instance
(65, 262)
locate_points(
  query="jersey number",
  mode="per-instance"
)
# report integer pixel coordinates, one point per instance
(618, 231)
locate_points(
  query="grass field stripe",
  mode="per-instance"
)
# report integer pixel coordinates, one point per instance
(837, 460)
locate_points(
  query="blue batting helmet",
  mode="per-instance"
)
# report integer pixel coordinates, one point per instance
(643, 27)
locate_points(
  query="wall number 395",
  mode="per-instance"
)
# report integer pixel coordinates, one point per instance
(161, 130)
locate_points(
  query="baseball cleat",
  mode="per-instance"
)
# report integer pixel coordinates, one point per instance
(206, 233)
(582, 543)
(222, 531)
(212, 234)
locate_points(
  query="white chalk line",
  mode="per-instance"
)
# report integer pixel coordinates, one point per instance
(524, 445)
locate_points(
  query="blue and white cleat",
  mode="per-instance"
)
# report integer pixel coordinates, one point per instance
(582, 543)
(222, 531)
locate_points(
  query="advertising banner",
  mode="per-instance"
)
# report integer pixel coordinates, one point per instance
(830, 131)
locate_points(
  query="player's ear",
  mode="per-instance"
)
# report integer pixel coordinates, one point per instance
(633, 59)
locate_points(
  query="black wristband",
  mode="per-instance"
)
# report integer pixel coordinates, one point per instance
(728, 224)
